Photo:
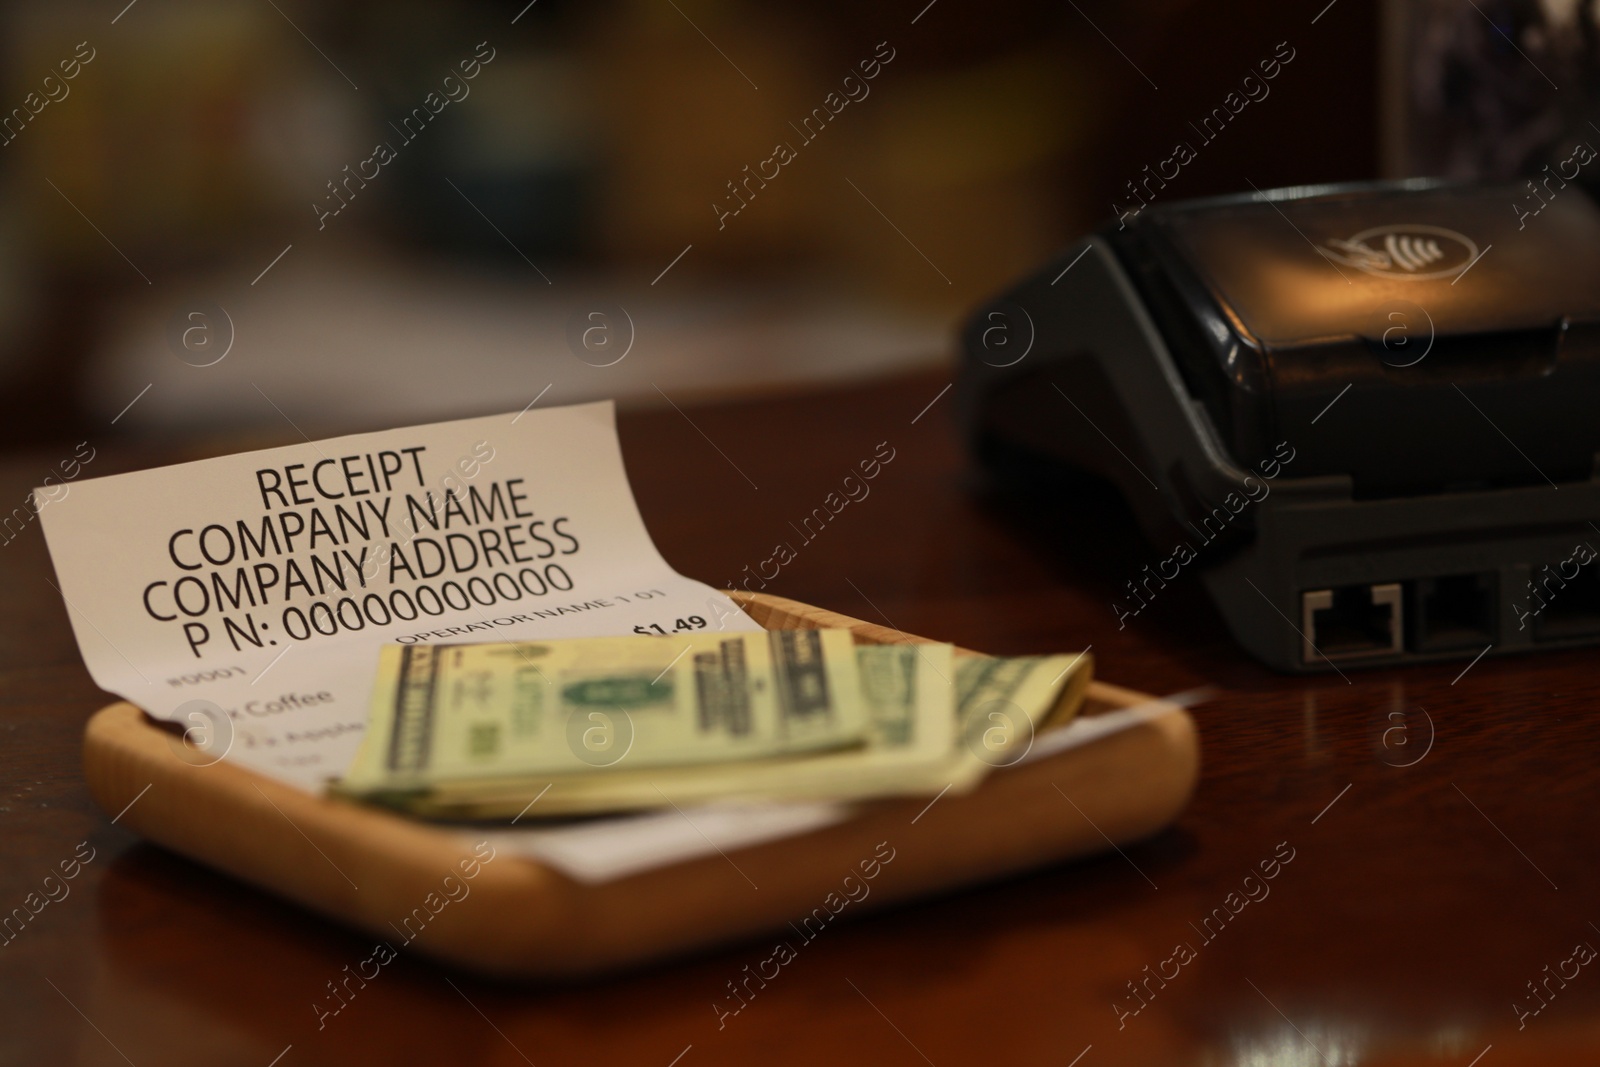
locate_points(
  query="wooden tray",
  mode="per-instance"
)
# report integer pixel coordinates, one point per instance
(524, 919)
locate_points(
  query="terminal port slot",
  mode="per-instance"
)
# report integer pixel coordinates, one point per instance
(1351, 622)
(1453, 612)
(1571, 609)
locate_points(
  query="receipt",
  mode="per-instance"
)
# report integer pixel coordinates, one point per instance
(246, 597)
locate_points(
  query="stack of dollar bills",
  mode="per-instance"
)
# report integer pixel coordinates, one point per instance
(561, 728)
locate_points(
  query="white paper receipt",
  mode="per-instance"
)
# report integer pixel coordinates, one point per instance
(247, 596)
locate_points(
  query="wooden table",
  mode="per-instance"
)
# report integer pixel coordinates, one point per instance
(1419, 901)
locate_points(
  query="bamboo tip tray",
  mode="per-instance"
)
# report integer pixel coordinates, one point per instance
(371, 869)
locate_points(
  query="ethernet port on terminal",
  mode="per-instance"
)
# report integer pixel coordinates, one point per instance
(1352, 622)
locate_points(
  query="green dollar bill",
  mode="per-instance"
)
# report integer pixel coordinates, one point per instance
(934, 720)
(445, 713)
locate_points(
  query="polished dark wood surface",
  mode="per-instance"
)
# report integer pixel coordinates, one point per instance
(1430, 882)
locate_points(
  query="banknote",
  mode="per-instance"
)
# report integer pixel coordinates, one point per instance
(1002, 702)
(935, 721)
(444, 713)
(908, 692)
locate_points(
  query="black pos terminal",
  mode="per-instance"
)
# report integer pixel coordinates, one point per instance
(1366, 417)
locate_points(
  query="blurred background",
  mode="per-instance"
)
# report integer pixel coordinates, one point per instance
(219, 215)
